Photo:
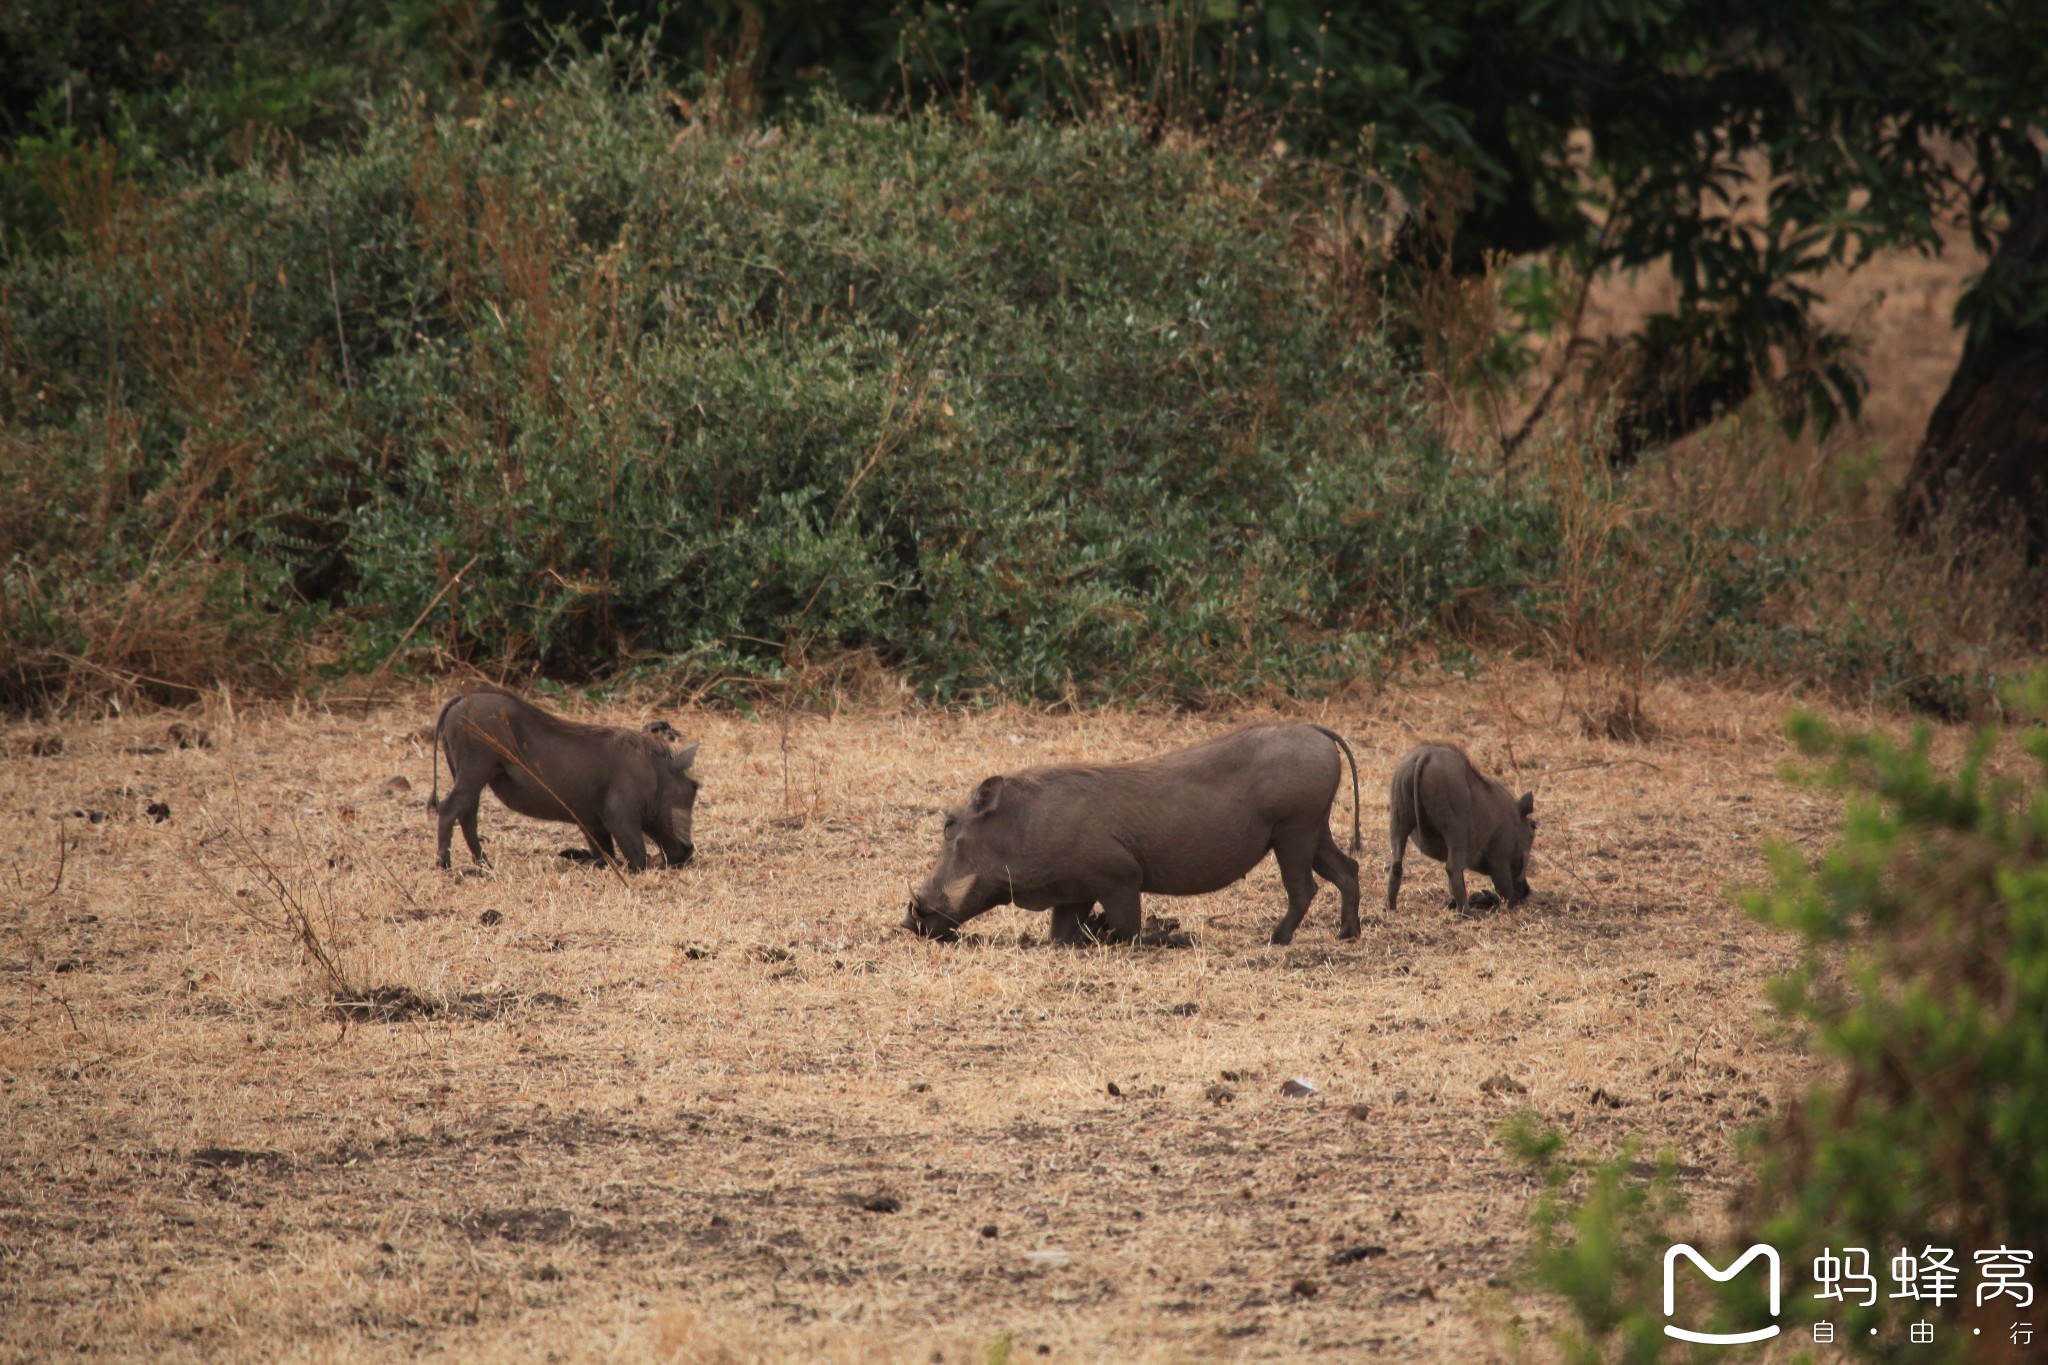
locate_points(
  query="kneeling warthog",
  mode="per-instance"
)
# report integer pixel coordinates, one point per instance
(1463, 819)
(614, 785)
(1068, 838)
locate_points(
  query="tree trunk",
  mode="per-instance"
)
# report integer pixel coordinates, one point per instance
(1986, 450)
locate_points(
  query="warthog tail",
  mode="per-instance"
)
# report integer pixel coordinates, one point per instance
(434, 799)
(1357, 843)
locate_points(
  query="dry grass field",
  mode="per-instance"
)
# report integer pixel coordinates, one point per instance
(733, 1112)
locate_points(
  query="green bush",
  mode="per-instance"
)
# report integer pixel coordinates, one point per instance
(1021, 410)
(1925, 982)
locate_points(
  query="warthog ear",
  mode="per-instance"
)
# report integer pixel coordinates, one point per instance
(687, 756)
(1527, 805)
(986, 795)
(660, 727)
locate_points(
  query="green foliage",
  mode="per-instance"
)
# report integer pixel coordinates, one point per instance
(1927, 975)
(1925, 981)
(1856, 110)
(1024, 411)
(162, 86)
(1601, 1229)
(1612, 134)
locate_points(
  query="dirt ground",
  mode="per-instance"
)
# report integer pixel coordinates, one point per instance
(733, 1112)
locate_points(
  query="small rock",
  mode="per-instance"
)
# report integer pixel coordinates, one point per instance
(188, 736)
(234, 1158)
(882, 1203)
(1115, 1090)
(1351, 1255)
(1220, 1094)
(1295, 1087)
(1358, 1113)
(990, 1230)
(489, 918)
(397, 786)
(158, 811)
(1501, 1083)
(1304, 1288)
(1164, 932)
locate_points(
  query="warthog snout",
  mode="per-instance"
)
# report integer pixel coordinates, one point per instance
(927, 923)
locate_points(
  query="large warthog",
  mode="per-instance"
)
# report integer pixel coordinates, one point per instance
(614, 785)
(1066, 839)
(1463, 819)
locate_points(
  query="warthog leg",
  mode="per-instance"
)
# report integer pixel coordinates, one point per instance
(1067, 921)
(1340, 870)
(460, 807)
(1460, 901)
(623, 825)
(1123, 915)
(1295, 853)
(1400, 827)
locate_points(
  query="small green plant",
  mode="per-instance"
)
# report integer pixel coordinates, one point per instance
(1925, 981)
(1601, 1229)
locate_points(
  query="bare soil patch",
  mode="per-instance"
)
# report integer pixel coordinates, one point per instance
(732, 1111)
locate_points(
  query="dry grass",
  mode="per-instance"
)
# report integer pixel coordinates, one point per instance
(643, 1121)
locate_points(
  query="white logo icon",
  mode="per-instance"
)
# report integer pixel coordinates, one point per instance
(1770, 1255)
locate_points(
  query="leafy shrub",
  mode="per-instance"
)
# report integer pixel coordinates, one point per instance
(577, 382)
(1925, 981)
(160, 87)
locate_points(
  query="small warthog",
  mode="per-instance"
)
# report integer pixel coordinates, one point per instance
(1068, 838)
(612, 784)
(1461, 818)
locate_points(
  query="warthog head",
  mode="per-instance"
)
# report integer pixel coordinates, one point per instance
(968, 878)
(681, 791)
(1516, 871)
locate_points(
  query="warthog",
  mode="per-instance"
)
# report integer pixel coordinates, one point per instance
(1461, 818)
(1183, 824)
(612, 784)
